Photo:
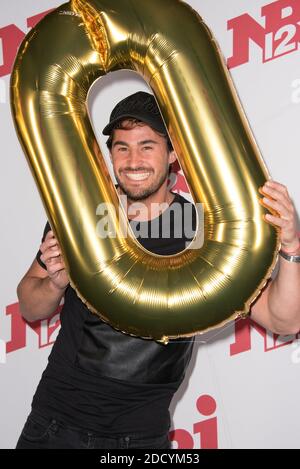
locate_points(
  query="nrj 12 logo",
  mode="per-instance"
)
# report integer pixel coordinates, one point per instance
(276, 33)
(45, 330)
(203, 434)
(243, 331)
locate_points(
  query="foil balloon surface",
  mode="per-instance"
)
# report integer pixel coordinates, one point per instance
(169, 45)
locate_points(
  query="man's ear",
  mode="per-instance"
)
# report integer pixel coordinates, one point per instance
(172, 157)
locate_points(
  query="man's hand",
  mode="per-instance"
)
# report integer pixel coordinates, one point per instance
(283, 213)
(277, 308)
(51, 257)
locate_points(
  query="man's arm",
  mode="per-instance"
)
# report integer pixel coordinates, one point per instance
(41, 290)
(278, 306)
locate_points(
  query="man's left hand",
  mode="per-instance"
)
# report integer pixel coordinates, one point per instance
(283, 213)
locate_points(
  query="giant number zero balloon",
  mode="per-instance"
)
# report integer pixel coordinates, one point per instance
(169, 45)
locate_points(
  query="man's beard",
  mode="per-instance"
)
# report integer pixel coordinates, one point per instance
(144, 193)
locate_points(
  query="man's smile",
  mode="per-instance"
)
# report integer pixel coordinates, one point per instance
(136, 176)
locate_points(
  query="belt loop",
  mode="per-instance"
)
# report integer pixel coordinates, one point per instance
(54, 426)
(127, 441)
(91, 440)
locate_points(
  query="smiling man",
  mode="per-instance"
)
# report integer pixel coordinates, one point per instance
(102, 388)
(141, 152)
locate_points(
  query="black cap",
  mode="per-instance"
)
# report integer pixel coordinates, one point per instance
(141, 106)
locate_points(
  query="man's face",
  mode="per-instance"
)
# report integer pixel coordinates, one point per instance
(141, 160)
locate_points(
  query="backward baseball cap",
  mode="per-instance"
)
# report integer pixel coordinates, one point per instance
(141, 106)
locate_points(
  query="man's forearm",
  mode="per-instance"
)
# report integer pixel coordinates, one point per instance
(38, 298)
(284, 297)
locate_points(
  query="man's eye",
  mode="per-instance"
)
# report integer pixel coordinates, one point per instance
(122, 149)
(148, 148)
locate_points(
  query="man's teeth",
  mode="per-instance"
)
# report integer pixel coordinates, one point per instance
(137, 176)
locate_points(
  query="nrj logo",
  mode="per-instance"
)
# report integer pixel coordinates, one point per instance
(276, 35)
(46, 331)
(204, 432)
(10, 39)
(243, 337)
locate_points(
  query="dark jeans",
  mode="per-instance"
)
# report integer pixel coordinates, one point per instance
(42, 433)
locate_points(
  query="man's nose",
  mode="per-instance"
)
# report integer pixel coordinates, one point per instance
(134, 158)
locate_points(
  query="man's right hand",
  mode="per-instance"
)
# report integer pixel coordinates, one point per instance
(51, 257)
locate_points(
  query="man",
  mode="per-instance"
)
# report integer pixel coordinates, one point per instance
(103, 388)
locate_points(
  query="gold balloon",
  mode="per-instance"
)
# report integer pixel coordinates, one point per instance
(168, 44)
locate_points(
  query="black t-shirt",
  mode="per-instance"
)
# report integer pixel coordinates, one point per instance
(108, 382)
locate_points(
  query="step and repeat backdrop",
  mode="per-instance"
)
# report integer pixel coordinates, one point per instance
(242, 385)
